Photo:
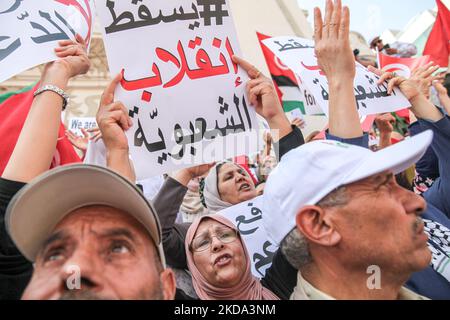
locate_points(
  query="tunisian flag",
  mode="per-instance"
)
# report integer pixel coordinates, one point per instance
(13, 112)
(402, 66)
(438, 45)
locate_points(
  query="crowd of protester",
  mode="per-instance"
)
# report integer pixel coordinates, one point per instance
(335, 207)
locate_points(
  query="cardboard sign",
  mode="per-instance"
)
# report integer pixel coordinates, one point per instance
(30, 31)
(247, 217)
(298, 55)
(185, 95)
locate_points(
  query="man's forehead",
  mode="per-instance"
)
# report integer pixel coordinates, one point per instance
(99, 217)
(96, 212)
(100, 221)
(374, 179)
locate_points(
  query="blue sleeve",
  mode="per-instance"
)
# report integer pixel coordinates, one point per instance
(362, 141)
(428, 165)
(438, 194)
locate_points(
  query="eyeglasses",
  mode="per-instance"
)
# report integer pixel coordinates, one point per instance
(203, 243)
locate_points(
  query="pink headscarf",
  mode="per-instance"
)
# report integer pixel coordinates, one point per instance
(249, 288)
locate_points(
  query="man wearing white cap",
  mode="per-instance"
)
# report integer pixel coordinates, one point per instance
(352, 231)
(350, 217)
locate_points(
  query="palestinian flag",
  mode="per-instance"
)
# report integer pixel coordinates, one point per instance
(14, 108)
(284, 79)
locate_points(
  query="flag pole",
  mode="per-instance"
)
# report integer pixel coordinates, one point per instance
(378, 58)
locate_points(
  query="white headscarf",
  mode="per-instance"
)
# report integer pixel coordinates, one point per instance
(211, 193)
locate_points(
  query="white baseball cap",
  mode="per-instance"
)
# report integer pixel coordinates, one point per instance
(36, 210)
(308, 173)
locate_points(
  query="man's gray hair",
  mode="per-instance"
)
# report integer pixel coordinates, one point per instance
(295, 246)
(295, 249)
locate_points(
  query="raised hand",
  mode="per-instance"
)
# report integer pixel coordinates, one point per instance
(73, 60)
(78, 142)
(263, 97)
(332, 42)
(440, 89)
(335, 58)
(113, 119)
(417, 85)
(300, 123)
(423, 77)
(96, 134)
(411, 88)
(443, 95)
(385, 122)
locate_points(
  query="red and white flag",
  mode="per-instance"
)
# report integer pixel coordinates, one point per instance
(13, 113)
(402, 66)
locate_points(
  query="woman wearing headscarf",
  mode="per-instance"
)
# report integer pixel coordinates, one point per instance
(219, 262)
(228, 184)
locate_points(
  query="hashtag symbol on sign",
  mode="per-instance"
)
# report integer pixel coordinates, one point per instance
(212, 9)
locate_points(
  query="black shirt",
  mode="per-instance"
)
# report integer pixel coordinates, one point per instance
(15, 269)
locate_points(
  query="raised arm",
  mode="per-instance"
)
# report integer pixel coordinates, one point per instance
(413, 89)
(36, 145)
(167, 204)
(263, 97)
(113, 120)
(443, 95)
(385, 124)
(336, 60)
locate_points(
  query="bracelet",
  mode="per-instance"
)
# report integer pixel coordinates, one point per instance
(56, 90)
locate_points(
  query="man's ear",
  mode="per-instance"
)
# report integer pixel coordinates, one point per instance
(168, 284)
(315, 225)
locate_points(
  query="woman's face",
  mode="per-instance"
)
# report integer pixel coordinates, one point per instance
(235, 186)
(223, 263)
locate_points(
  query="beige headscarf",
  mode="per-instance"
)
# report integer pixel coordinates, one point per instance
(249, 288)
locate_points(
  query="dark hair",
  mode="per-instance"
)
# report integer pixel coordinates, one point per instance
(447, 83)
(403, 181)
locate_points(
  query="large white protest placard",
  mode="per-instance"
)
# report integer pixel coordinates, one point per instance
(298, 55)
(247, 217)
(185, 95)
(30, 31)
